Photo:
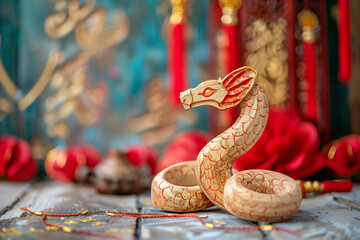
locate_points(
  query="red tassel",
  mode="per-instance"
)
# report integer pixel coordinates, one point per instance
(310, 108)
(176, 62)
(345, 55)
(344, 185)
(337, 186)
(231, 60)
(230, 49)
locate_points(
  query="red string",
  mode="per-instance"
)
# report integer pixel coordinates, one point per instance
(176, 62)
(310, 108)
(68, 229)
(145, 215)
(345, 55)
(191, 215)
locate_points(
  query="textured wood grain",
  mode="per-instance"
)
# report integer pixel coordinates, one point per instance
(319, 217)
(10, 193)
(54, 197)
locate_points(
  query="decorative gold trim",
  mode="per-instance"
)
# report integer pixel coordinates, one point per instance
(229, 11)
(9, 87)
(178, 11)
(308, 22)
(63, 22)
(266, 52)
(98, 35)
(35, 91)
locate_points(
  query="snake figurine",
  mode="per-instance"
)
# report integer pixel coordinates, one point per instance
(213, 165)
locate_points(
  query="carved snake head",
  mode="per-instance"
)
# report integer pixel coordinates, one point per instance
(223, 93)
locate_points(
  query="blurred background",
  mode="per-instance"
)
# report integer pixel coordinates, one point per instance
(108, 74)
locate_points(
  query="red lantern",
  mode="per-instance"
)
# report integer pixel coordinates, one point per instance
(62, 163)
(16, 162)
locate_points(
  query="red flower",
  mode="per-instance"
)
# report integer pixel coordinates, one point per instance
(343, 156)
(61, 163)
(16, 162)
(287, 145)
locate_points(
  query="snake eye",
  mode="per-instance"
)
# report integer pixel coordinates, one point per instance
(208, 92)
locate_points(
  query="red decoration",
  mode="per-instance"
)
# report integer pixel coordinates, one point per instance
(345, 55)
(177, 71)
(287, 145)
(140, 156)
(337, 186)
(343, 156)
(230, 50)
(61, 163)
(185, 147)
(310, 109)
(16, 162)
(342, 185)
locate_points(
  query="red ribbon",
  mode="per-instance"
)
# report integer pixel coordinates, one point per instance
(310, 108)
(345, 55)
(176, 62)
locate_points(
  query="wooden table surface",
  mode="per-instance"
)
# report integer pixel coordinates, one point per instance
(327, 216)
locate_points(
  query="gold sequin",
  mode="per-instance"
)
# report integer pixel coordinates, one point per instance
(71, 222)
(51, 228)
(87, 220)
(66, 229)
(220, 222)
(266, 227)
(33, 230)
(99, 223)
(209, 225)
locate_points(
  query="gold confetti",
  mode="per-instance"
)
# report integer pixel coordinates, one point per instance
(33, 230)
(357, 218)
(66, 229)
(99, 223)
(11, 231)
(71, 222)
(220, 222)
(87, 220)
(209, 225)
(176, 231)
(51, 228)
(112, 230)
(127, 231)
(266, 227)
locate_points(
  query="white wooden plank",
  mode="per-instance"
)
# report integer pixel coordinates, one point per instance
(10, 192)
(321, 217)
(52, 196)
